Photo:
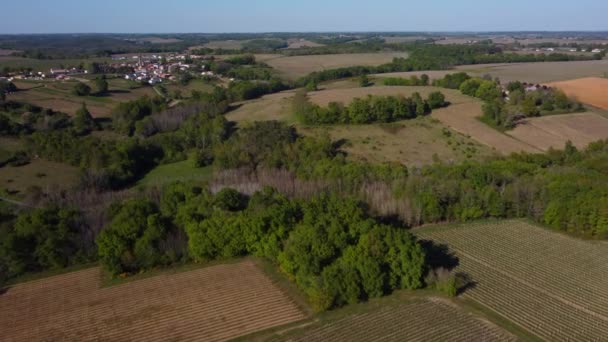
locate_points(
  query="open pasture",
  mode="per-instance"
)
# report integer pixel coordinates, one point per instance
(411, 142)
(216, 303)
(41, 173)
(550, 284)
(590, 90)
(183, 171)
(424, 319)
(416, 142)
(461, 115)
(555, 130)
(270, 107)
(293, 67)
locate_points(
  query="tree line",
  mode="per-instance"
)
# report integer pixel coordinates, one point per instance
(440, 57)
(372, 109)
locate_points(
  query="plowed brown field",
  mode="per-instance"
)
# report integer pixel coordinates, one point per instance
(590, 90)
(210, 304)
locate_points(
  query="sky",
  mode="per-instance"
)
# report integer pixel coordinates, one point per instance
(212, 16)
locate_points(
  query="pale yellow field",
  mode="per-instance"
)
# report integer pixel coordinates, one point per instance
(554, 131)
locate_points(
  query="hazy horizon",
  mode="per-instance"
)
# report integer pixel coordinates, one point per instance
(271, 16)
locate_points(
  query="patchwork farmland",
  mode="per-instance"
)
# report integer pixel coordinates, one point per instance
(550, 284)
(209, 304)
(545, 72)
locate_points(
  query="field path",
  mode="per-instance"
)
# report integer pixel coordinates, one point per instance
(216, 303)
(462, 117)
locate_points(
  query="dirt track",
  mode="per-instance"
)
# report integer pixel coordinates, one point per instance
(210, 304)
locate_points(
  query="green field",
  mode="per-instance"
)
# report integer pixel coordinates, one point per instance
(175, 172)
(548, 283)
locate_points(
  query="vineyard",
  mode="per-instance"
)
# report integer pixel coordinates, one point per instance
(550, 284)
(210, 304)
(417, 320)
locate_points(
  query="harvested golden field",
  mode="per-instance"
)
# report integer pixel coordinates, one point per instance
(548, 283)
(293, 67)
(590, 90)
(209, 304)
(424, 319)
(555, 130)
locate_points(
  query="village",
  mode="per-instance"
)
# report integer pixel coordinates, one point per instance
(149, 69)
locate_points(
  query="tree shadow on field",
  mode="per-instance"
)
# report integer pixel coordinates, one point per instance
(439, 255)
(464, 282)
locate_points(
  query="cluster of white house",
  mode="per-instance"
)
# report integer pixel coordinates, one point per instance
(153, 69)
